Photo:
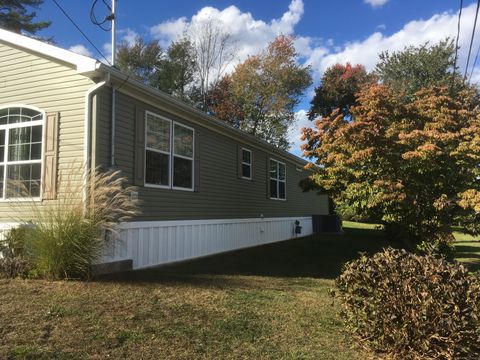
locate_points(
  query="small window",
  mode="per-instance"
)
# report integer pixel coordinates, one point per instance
(246, 164)
(20, 152)
(168, 153)
(278, 180)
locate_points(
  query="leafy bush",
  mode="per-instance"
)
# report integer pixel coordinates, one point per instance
(411, 306)
(68, 235)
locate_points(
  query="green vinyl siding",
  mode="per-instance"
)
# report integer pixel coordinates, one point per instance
(219, 192)
(53, 87)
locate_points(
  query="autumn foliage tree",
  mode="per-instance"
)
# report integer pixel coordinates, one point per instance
(222, 103)
(262, 92)
(413, 166)
(338, 89)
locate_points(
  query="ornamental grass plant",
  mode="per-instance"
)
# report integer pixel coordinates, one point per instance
(67, 235)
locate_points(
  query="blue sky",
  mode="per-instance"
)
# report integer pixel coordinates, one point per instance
(327, 31)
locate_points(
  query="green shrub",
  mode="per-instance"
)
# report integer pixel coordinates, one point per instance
(411, 306)
(68, 235)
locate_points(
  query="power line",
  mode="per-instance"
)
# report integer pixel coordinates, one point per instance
(458, 36)
(80, 30)
(471, 41)
(474, 63)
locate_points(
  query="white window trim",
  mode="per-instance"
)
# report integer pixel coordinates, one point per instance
(171, 154)
(245, 163)
(7, 127)
(277, 179)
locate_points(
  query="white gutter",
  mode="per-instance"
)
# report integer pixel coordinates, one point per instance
(87, 138)
(113, 130)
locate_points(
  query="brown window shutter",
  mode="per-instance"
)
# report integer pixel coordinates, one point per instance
(139, 166)
(50, 157)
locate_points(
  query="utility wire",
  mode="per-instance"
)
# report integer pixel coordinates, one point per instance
(458, 36)
(471, 41)
(80, 30)
(474, 63)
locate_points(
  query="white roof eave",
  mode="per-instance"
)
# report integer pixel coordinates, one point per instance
(83, 64)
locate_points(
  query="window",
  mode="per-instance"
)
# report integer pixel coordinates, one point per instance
(277, 180)
(168, 164)
(246, 164)
(20, 152)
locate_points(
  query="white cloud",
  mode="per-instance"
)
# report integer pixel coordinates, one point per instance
(433, 30)
(80, 49)
(107, 51)
(250, 35)
(375, 3)
(128, 35)
(294, 133)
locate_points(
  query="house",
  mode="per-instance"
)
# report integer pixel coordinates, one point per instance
(204, 186)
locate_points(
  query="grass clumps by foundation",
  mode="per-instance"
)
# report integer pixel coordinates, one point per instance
(65, 237)
(411, 306)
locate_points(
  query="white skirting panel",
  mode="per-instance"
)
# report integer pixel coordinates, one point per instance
(150, 243)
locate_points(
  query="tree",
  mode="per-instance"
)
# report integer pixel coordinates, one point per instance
(338, 89)
(214, 50)
(419, 67)
(222, 103)
(411, 166)
(267, 88)
(15, 15)
(176, 69)
(140, 58)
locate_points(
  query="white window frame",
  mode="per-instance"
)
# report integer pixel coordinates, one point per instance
(245, 163)
(171, 154)
(5, 163)
(277, 179)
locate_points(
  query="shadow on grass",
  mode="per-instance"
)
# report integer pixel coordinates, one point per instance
(319, 256)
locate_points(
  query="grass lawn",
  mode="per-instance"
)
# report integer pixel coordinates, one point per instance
(467, 250)
(270, 302)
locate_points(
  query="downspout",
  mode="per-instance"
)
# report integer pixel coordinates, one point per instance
(87, 139)
(113, 130)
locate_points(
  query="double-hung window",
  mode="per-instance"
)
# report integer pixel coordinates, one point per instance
(246, 164)
(169, 153)
(277, 180)
(20, 152)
